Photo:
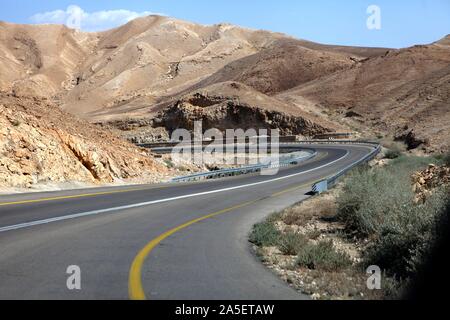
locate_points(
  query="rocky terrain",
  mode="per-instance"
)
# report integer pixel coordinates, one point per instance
(308, 224)
(40, 144)
(314, 248)
(156, 74)
(283, 65)
(131, 75)
(425, 182)
(403, 93)
(41, 60)
(234, 105)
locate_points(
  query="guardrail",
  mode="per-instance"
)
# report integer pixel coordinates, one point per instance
(168, 144)
(171, 144)
(338, 142)
(318, 187)
(281, 147)
(246, 169)
(327, 184)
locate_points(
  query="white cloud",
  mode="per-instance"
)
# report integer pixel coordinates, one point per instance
(75, 17)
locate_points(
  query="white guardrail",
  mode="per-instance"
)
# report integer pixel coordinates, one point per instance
(246, 169)
(318, 187)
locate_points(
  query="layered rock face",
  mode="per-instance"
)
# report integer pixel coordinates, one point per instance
(39, 144)
(223, 113)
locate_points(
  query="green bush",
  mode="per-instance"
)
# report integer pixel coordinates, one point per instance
(446, 159)
(169, 163)
(394, 288)
(408, 238)
(291, 243)
(322, 256)
(393, 154)
(368, 197)
(265, 234)
(393, 146)
(406, 165)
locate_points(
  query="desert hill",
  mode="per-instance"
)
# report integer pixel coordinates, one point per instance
(154, 57)
(404, 92)
(40, 60)
(149, 70)
(283, 65)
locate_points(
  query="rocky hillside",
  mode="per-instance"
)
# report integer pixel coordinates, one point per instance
(135, 71)
(138, 76)
(403, 93)
(135, 65)
(39, 143)
(41, 60)
(232, 105)
(283, 65)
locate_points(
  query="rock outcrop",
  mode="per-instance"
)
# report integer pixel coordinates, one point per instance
(228, 114)
(426, 181)
(40, 144)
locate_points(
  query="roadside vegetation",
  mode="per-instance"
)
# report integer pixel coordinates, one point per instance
(380, 205)
(375, 216)
(446, 159)
(393, 149)
(322, 256)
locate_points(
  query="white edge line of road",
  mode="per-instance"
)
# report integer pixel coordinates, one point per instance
(143, 204)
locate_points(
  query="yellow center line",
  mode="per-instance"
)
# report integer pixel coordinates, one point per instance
(75, 196)
(135, 287)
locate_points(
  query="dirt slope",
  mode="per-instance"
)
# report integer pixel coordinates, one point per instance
(40, 60)
(283, 65)
(154, 57)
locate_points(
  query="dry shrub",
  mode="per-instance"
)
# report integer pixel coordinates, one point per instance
(301, 215)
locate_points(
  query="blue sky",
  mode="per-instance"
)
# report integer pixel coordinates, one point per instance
(403, 22)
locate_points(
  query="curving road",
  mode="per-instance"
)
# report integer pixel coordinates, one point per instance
(169, 241)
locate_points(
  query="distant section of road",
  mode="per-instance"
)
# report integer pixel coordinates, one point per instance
(168, 241)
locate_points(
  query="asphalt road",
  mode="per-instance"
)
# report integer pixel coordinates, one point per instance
(168, 241)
